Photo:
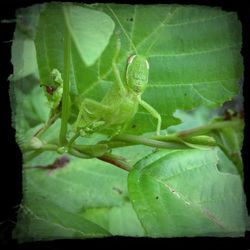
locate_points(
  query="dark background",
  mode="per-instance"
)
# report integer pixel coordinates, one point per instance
(11, 162)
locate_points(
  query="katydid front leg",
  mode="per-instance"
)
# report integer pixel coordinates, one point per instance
(137, 80)
(153, 112)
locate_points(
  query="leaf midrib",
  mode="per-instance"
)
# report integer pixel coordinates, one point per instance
(201, 209)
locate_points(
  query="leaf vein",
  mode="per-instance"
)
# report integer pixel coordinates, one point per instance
(54, 223)
(177, 84)
(197, 52)
(157, 30)
(210, 18)
(179, 195)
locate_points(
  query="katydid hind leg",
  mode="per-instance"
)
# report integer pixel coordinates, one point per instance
(91, 115)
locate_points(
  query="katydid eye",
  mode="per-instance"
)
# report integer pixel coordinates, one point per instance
(131, 58)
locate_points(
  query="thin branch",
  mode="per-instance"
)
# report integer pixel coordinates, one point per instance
(50, 121)
(134, 140)
(114, 161)
(207, 128)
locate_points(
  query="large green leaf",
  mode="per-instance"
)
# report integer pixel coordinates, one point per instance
(193, 53)
(188, 193)
(86, 198)
(89, 30)
(49, 41)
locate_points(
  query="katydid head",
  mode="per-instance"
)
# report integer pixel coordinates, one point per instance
(137, 73)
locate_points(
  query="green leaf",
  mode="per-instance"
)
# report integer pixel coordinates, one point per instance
(46, 221)
(23, 57)
(188, 193)
(231, 140)
(90, 31)
(49, 41)
(58, 198)
(29, 108)
(193, 53)
(120, 220)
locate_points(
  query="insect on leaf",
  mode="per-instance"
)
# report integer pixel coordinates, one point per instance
(193, 54)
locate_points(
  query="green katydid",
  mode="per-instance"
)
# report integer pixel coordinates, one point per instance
(121, 103)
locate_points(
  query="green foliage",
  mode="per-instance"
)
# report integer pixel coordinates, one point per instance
(231, 140)
(192, 187)
(198, 51)
(81, 22)
(188, 193)
(85, 197)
